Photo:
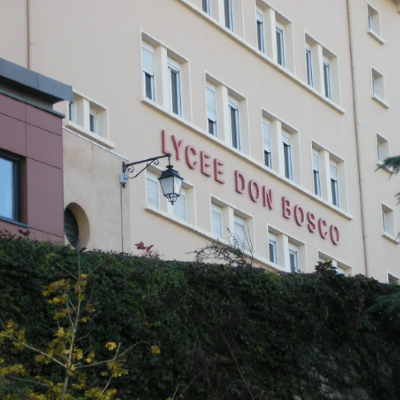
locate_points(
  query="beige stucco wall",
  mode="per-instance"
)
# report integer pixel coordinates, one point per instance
(96, 48)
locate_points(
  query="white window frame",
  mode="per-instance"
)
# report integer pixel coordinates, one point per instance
(267, 143)
(388, 222)
(280, 45)
(260, 30)
(148, 70)
(272, 248)
(81, 112)
(377, 84)
(228, 14)
(206, 6)
(374, 23)
(293, 255)
(334, 180)
(233, 105)
(175, 68)
(150, 177)
(180, 199)
(72, 113)
(309, 66)
(95, 118)
(341, 267)
(240, 221)
(212, 111)
(392, 279)
(287, 155)
(382, 148)
(327, 78)
(316, 172)
(216, 212)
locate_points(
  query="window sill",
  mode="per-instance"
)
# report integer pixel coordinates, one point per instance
(244, 156)
(391, 238)
(375, 36)
(160, 213)
(258, 53)
(88, 134)
(11, 221)
(380, 101)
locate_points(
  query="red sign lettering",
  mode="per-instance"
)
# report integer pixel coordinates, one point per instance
(311, 224)
(240, 186)
(287, 212)
(257, 197)
(268, 199)
(321, 223)
(178, 147)
(218, 171)
(205, 164)
(192, 165)
(335, 236)
(164, 143)
(300, 221)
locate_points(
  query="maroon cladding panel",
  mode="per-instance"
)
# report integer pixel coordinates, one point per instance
(45, 206)
(12, 135)
(44, 120)
(44, 146)
(35, 135)
(11, 107)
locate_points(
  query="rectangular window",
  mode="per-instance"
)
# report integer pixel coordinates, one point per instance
(174, 87)
(388, 224)
(393, 280)
(293, 258)
(260, 31)
(153, 190)
(310, 77)
(316, 173)
(280, 45)
(234, 123)
(211, 109)
(72, 112)
(273, 248)
(216, 220)
(373, 20)
(267, 143)
(206, 6)
(148, 71)
(10, 188)
(228, 10)
(334, 182)
(378, 88)
(327, 78)
(240, 232)
(180, 206)
(93, 122)
(382, 148)
(287, 155)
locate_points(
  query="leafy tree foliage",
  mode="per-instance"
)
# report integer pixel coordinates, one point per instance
(213, 331)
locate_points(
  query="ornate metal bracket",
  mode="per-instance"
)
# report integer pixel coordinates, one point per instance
(129, 168)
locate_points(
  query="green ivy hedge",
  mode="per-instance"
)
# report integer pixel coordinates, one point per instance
(224, 332)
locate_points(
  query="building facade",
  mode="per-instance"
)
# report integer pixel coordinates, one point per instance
(276, 113)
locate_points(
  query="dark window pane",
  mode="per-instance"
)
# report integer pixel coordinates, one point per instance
(174, 90)
(91, 122)
(260, 35)
(267, 158)
(149, 86)
(234, 127)
(10, 189)
(71, 228)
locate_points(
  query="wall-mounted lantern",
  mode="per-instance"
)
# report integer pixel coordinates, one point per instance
(170, 181)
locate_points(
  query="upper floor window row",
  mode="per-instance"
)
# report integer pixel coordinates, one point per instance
(227, 12)
(322, 69)
(166, 78)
